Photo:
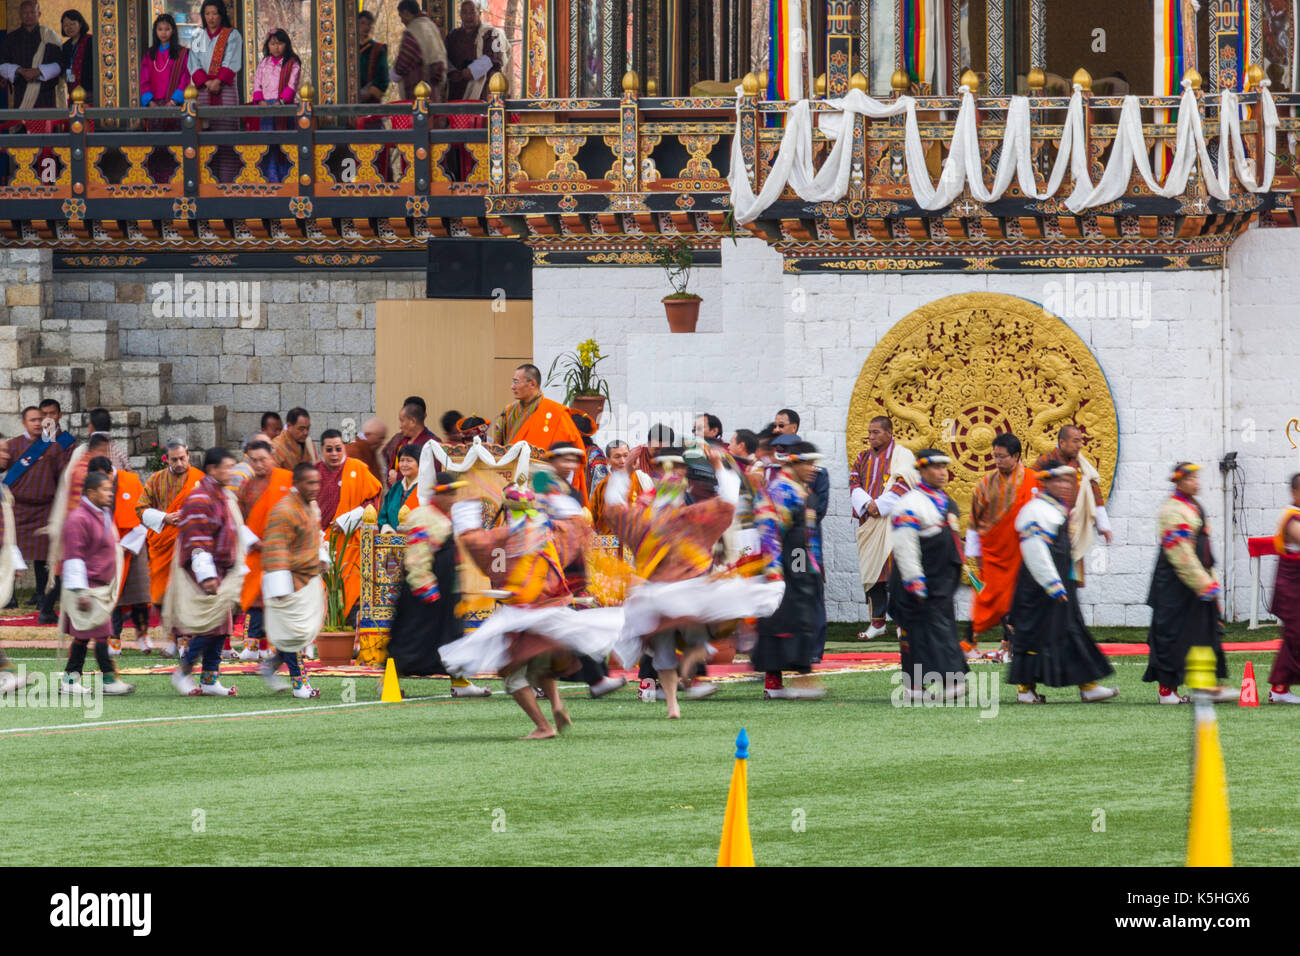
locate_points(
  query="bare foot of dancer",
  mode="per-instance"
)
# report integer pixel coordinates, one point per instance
(541, 733)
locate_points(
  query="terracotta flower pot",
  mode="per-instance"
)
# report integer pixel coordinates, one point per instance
(593, 406)
(336, 647)
(682, 314)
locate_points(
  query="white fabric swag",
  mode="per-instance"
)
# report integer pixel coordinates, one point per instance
(793, 165)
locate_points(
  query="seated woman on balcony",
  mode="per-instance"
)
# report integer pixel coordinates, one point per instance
(164, 75)
(216, 54)
(78, 59)
(275, 83)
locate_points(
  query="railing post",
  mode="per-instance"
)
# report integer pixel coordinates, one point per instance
(747, 130)
(305, 136)
(1255, 79)
(1038, 146)
(1197, 179)
(899, 84)
(421, 123)
(190, 159)
(496, 120)
(77, 154)
(1083, 80)
(629, 135)
(858, 170)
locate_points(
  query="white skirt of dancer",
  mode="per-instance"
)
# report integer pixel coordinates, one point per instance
(486, 650)
(702, 600)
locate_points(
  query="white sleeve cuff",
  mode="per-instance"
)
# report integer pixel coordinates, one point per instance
(616, 489)
(247, 536)
(50, 70)
(277, 583)
(748, 541)
(9, 71)
(325, 555)
(350, 520)
(203, 565)
(19, 563)
(859, 499)
(133, 541)
(466, 516)
(479, 68)
(74, 574)
(973, 543)
(153, 519)
(728, 485)
(886, 502)
(1102, 519)
(563, 506)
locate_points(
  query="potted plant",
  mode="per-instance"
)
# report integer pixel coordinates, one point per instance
(336, 640)
(681, 307)
(583, 388)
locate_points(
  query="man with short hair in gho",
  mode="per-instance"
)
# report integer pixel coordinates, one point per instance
(207, 576)
(92, 569)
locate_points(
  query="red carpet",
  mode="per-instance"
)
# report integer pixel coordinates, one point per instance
(29, 620)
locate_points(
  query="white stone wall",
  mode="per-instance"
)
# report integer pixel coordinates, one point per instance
(1265, 358)
(754, 353)
(314, 346)
(731, 367)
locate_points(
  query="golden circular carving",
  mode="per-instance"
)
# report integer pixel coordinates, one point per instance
(78, 188)
(76, 126)
(960, 371)
(189, 152)
(304, 179)
(421, 153)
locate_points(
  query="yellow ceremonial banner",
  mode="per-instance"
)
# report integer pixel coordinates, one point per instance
(736, 849)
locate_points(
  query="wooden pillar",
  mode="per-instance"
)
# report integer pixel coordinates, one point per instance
(839, 46)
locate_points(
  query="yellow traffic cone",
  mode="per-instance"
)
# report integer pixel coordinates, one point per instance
(391, 691)
(1209, 832)
(736, 849)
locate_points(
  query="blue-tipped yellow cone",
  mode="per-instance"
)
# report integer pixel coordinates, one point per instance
(736, 849)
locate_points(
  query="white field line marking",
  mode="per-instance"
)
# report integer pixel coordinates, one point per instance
(239, 713)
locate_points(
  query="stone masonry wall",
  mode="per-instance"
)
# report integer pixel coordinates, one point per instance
(314, 344)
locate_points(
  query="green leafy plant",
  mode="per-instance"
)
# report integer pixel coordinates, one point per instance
(677, 259)
(335, 594)
(578, 372)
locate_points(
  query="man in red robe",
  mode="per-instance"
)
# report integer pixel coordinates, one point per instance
(992, 540)
(538, 420)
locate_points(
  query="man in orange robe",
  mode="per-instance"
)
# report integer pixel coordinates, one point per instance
(159, 509)
(346, 488)
(993, 542)
(256, 497)
(538, 420)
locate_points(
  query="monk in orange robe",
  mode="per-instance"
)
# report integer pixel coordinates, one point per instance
(992, 538)
(346, 488)
(159, 509)
(256, 497)
(538, 420)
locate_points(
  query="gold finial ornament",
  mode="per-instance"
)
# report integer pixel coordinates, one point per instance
(820, 85)
(1192, 79)
(1254, 76)
(762, 81)
(631, 82)
(497, 84)
(191, 92)
(306, 92)
(78, 96)
(1083, 80)
(1037, 78)
(900, 81)
(370, 515)
(750, 84)
(971, 80)
(422, 90)
(858, 82)
(652, 87)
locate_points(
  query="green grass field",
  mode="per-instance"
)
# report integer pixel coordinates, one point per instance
(848, 780)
